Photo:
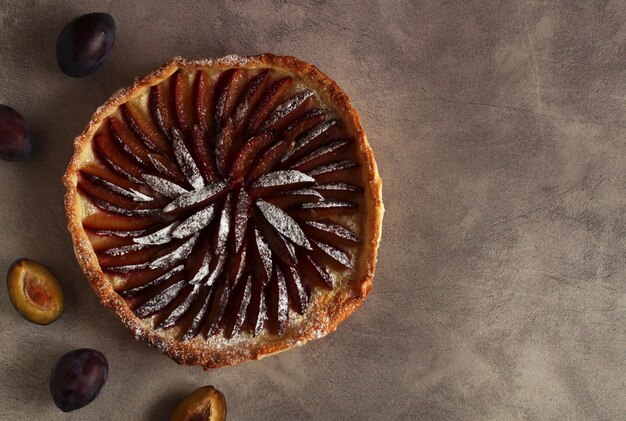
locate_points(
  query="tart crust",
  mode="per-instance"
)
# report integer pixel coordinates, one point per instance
(321, 318)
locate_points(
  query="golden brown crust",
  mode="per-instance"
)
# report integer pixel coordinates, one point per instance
(328, 316)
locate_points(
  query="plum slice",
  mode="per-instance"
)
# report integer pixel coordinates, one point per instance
(248, 152)
(240, 307)
(144, 128)
(280, 246)
(334, 253)
(185, 161)
(335, 230)
(160, 103)
(280, 302)
(218, 308)
(243, 208)
(109, 155)
(314, 137)
(283, 223)
(288, 111)
(227, 92)
(182, 308)
(200, 316)
(319, 156)
(223, 146)
(167, 167)
(281, 181)
(250, 97)
(126, 141)
(270, 100)
(331, 168)
(259, 305)
(269, 159)
(194, 197)
(299, 291)
(305, 123)
(204, 100)
(115, 185)
(205, 156)
(161, 300)
(153, 283)
(262, 257)
(183, 101)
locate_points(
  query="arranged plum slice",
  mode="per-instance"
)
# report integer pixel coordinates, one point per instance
(258, 315)
(162, 109)
(219, 200)
(288, 111)
(263, 257)
(321, 155)
(178, 310)
(280, 181)
(161, 300)
(128, 143)
(294, 198)
(218, 308)
(144, 128)
(247, 153)
(334, 230)
(223, 146)
(298, 290)
(184, 102)
(270, 158)
(334, 253)
(205, 155)
(280, 302)
(251, 96)
(109, 155)
(227, 94)
(305, 123)
(269, 102)
(240, 306)
(315, 137)
(204, 100)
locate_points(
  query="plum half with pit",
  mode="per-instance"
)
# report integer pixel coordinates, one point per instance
(77, 378)
(35, 292)
(205, 404)
(15, 138)
(85, 44)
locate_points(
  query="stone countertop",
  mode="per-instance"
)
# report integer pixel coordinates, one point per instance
(500, 135)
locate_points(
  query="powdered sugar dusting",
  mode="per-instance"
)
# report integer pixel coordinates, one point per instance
(161, 300)
(178, 254)
(196, 196)
(185, 160)
(163, 186)
(283, 223)
(195, 222)
(162, 236)
(287, 107)
(283, 178)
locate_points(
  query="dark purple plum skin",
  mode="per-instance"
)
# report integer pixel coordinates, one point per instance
(77, 378)
(85, 44)
(15, 139)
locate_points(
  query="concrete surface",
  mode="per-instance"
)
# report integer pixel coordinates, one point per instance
(500, 134)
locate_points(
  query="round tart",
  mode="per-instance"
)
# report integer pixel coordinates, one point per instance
(226, 209)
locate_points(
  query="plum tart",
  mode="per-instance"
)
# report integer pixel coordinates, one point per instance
(227, 208)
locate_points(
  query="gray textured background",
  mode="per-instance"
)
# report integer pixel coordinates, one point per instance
(499, 131)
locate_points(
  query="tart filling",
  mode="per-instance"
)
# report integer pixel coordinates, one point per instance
(226, 202)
